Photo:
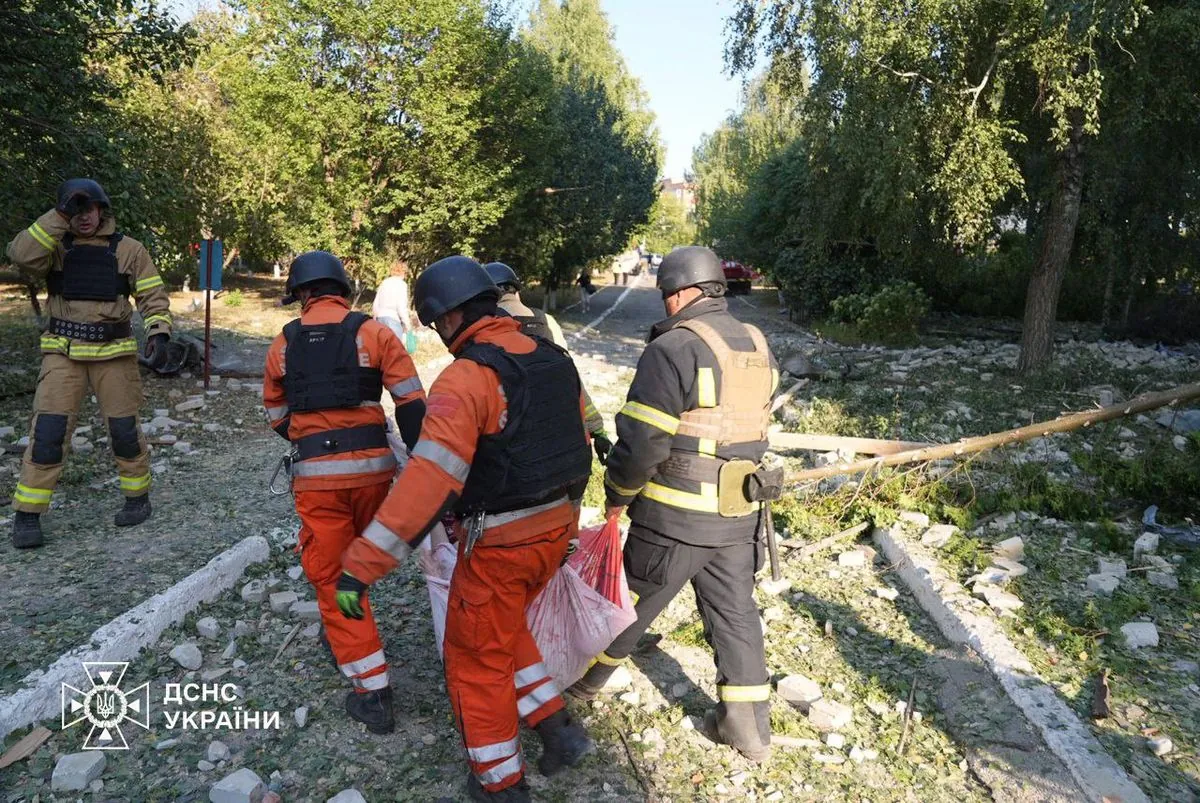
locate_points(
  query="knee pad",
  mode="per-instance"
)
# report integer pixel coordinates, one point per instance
(49, 434)
(124, 435)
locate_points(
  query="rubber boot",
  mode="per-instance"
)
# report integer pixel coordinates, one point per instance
(564, 743)
(27, 530)
(373, 709)
(136, 510)
(517, 793)
(742, 726)
(588, 686)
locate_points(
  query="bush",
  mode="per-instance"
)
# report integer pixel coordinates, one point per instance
(891, 315)
(233, 298)
(849, 309)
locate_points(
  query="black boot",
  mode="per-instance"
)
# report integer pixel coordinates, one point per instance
(27, 530)
(746, 727)
(373, 709)
(136, 510)
(564, 743)
(517, 793)
(588, 686)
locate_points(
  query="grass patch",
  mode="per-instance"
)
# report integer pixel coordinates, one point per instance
(690, 634)
(234, 298)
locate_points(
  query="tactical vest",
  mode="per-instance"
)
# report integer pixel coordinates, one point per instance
(89, 272)
(542, 449)
(745, 393)
(321, 368)
(534, 325)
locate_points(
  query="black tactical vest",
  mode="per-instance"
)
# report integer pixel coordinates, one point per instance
(321, 370)
(542, 450)
(534, 325)
(89, 272)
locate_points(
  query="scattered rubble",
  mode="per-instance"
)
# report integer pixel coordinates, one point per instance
(347, 796)
(75, 772)
(1140, 634)
(187, 655)
(1116, 568)
(254, 591)
(208, 627)
(854, 559)
(1011, 548)
(799, 691)
(301, 716)
(1146, 544)
(939, 535)
(306, 610)
(243, 786)
(827, 715)
(1104, 584)
(888, 593)
(281, 601)
(1165, 580)
(217, 751)
(1160, 745)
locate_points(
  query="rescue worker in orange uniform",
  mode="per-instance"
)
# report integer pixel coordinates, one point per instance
(503, 445)
(91, 272)
(324, 376)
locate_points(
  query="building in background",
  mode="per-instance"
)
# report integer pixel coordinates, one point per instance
(683, 191)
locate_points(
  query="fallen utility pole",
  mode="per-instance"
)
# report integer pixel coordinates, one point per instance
(1065, 423)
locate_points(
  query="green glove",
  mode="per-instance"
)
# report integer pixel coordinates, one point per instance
(350, 594)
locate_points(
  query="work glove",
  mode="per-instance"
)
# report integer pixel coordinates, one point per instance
(156, 350)
(603, 446)
(350, 594)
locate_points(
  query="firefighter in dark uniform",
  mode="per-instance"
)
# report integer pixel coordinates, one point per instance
(689, 441)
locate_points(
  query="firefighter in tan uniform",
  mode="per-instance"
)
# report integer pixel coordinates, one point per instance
(91, 272)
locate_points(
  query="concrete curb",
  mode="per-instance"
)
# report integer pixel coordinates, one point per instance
(123, 637)
(1097, 775)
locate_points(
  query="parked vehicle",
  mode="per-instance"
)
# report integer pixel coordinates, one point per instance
(739, 277)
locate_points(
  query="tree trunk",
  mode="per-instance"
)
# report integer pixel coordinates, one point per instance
(1041, 300)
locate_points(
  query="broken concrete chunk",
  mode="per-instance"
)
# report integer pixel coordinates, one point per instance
(205, 766)
(998, 598)
(190, 404)
(74, 772)
(282, 600)
(1140, 634)
(939, 535)
(827, 715)
(187, 655)
(1104, 584)
(912, 517)
(859, 755)
(835, 740)
(776, 587)
(243, 786)
(208, 627)
(1186, 667)
(295, 572)
(619, 679)
(217, 751)
(887, 593)
(254, 591)
(799, 691)
(1011, 566)
(306, 610)
(347, 796)
(1146, 544)
(1116, 568)
(301, 716)
(1011, 548)
(992, 575)
(1160, 745)
(852, 559)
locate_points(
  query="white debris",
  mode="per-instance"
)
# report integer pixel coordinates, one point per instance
(652, 737)
(212, 427)
(919, 520)
(7, 432)
(1146, 544)
(217, 751)
(301, 716)
(835, 740)
(282, 600)
(243, 786)
(619, 679)
(208, 627)
(1116, 568)
(998, 598)
(183, 447)
(305, 609)
(887, 593)
(737, 778)
(205, 765)
(347, 796)
(168, 439)
(1160, 745)
(1104, 584)
(187, 655)
(1180, 443)
(254, 591)
(1140, 634)
(190, 404)
(799, 691)
(1163, 580)
(992, 575)
(852, 560)
(242, 628)
(776, 587)
(939, 535)
(1011, 548)
(312, 631)
(827, 715)
(74, 772)
(630, 698)
(166, 744)
(230, 649)
(1004, 521)
(295, 572)
(859, 755)
(829, 758)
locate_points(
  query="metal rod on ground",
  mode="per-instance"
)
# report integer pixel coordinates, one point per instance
(808, 550)
(637, 773)
(1066, 423)
(208, 312)
(286, 642)
(908, 711)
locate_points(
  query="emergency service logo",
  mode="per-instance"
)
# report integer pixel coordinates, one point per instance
(105, 706)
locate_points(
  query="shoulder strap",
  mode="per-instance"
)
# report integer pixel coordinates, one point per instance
(113, 241)
(290, 330)
(68, 241)
(354, 321)
(760, 342)
(711, 338)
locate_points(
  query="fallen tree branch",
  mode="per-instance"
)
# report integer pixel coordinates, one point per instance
(836, 443)
(808, 550)
(784, 397)
(1065, 423)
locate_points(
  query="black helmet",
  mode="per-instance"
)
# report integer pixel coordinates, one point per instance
(312, 266)
(502, 274)
(448, 284)
(75, 194)
(687, 267)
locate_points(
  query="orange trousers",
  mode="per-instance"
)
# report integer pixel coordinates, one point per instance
(330, 520)
(494, 671)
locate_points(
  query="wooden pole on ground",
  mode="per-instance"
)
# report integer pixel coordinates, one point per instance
(1065, 423)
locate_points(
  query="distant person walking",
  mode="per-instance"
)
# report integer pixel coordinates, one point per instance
(391, 301)
(586, 289)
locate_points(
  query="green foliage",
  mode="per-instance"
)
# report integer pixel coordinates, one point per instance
(895, 312)
(233, 298)
(1028, 487)
(669, 226)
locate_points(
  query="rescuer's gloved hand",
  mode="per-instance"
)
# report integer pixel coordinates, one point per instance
(156, 350)
(350, 594)
(602, 445)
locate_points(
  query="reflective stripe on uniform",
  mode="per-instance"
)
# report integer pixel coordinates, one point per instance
(529, 675)
(372, 661)
(406, 387)
(537, 698)
(32, 496)
(277, 413)
(373, 683)
(501, 772)
(55, 343)
(443, 458)
(708, 447)
(774, 379)
(136, 483)
(332, 468)
(500, 519)
(703, 502)
(149, 283)
(608, 660)
(493, 752)
(648, 415)
(744, 694)
(590, 410)
(160, 317)
(622, 491)
(706, 388)
(42, 236)
(388, 541)
(81, 350)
